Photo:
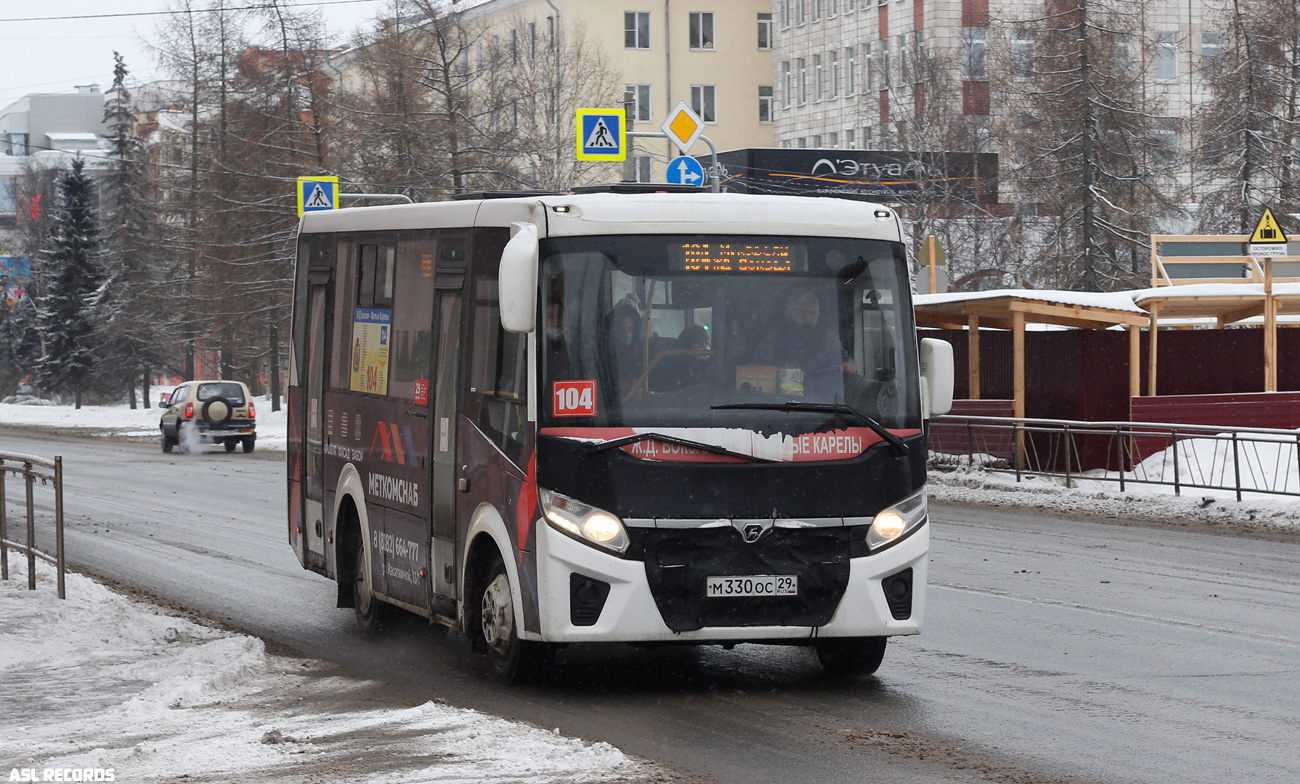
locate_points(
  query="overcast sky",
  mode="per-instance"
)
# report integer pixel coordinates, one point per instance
(59, 53)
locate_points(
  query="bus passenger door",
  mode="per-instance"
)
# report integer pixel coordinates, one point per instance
(443, 444)
(314, 463)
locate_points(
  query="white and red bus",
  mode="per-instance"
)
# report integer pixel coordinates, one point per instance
(615, 417)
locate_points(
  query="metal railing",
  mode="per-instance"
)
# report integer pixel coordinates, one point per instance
(1182, 456)
(32, 469)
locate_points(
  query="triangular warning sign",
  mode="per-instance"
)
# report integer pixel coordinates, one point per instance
(601, 136)
(1267, 232)
(318, 200)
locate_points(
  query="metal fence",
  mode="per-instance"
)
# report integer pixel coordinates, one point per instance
(1182, 456)
(32, 469)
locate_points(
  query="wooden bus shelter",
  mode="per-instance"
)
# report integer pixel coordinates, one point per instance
(1197, 278)
(1012, 310)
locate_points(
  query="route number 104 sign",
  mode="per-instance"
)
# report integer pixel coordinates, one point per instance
(574, 399)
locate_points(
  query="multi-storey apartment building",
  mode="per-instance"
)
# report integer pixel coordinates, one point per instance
(848, 73)
(716, 55)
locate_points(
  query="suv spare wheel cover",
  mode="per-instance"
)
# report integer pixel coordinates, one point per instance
(218, 411)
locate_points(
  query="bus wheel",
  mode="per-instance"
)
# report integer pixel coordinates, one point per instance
(513, 660)
(845, 656)
(369, 610)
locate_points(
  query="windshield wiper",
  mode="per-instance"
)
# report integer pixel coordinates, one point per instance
(703, 447)
(842, 409)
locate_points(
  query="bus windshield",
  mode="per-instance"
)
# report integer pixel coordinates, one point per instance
(663, 330)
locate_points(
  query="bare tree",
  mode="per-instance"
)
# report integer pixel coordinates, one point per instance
(1246, 157)
(1084, 143)
(546, 81)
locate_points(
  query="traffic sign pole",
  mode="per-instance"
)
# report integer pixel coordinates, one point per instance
(714, 184)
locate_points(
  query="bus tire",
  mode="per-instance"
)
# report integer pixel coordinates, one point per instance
(846, 656)
(513, 660)
(368, 609)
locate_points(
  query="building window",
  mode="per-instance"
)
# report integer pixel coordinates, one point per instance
(799, 12)
(817, 142)
(832, 8)
(641, 168)
(848, 134)
(974, 54)
(704, 102)
(1165, 65)
(868, 75)
(801, 67)
(701, 30)
(866, 137)
(835, 73)
(532, 39)
(904, 60)
(637, 98)
(801, 142)
(1211, 51)
(817, 10)
(785, 14)
(835, 136)
(817, 78)
(1164, 142)
(848, 6)
(636, 29)
(765, 104)
(765, 32)
(886, 74)
(786, 85)
(1022, 55)
(851, 70)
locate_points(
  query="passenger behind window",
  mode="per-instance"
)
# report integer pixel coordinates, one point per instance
(798, 341)
(684, 364)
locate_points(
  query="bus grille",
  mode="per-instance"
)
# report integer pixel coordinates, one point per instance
(677, 563)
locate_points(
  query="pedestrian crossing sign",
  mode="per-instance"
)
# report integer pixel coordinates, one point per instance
(602, 135)
(316, 194)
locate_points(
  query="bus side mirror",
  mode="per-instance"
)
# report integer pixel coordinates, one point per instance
(937, 374)
(518, 280)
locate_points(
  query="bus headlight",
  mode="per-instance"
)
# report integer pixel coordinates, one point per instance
(897, 521)
(587, 523)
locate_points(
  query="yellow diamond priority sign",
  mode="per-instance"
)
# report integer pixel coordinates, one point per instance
(683, 126)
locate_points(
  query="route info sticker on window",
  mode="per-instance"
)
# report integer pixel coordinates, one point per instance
(574, 399)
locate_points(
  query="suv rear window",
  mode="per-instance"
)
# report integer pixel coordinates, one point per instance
(234, 393)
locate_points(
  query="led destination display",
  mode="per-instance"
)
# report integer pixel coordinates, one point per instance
(737, 257)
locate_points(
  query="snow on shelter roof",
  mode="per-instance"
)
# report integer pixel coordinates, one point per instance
(997, 308)
(1232, 302)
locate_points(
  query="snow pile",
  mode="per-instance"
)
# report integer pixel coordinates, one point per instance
(120, 421)
(1264, 463)
(1218, 510)
(100, 681)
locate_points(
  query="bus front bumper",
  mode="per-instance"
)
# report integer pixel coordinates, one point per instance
(629, 613)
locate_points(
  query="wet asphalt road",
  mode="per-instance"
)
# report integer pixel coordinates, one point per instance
(1054, 650)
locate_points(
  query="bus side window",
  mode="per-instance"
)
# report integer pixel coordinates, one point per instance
(413, 299)
(499, 373)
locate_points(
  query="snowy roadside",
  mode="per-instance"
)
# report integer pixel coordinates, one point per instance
(120, 421)
(1204, 510)
(1209, 510)
(100, 682)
